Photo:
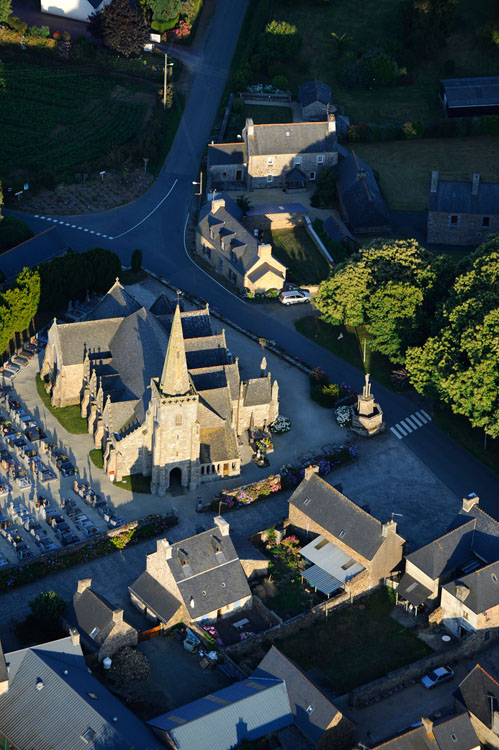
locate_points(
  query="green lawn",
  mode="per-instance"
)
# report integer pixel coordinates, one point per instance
(68, 416)
(350, 347)
(294, 248)
(97, 458)
(136, 483)
(405, 167)
(357, 644)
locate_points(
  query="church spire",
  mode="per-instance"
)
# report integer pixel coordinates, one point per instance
(175, 378)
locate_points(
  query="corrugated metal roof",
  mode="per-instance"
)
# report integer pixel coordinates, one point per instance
(248, 709)
(319, 579)
(480, 91)
(332, 559)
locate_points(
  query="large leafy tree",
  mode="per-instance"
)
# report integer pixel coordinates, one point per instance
(279, 41)
(121, 27)
(387, 286)
(5, 10)
(460, 365)
(165, 13)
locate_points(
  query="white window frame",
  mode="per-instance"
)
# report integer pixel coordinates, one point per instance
(320, 159)
(297, 161)
(270, 161)
(270, 178)
(312, 176)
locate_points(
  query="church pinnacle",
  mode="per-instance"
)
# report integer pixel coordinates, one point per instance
(175, 378)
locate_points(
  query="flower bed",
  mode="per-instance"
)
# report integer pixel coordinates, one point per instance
(61, 559)
(288, 478)
(280, 425)
(343, 416)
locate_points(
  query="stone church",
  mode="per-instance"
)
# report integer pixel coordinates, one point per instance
(161, 392)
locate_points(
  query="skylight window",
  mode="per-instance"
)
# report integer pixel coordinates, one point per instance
(306, 501)
(88, 735)
(342, 533)
(494, 577)
(310, 709)
(94, 632)
(453, 737)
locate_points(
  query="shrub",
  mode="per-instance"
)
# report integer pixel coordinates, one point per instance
(56, 35)
(256, 62)
(13, 231)
(66, 36)
(39, 31)
(325, 395)
(242, 77)
(319, 377)
(276, 68)
(136, 260)
(279, 41)
(373, 69)
(280, 82)
(16, 24)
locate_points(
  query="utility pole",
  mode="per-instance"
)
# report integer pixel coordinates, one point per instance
(165, 78)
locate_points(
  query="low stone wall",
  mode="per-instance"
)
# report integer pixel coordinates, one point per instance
(255, 98)
(373, 691)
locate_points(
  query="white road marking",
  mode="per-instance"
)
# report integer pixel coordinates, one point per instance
(410, 424)
(407, 425)
(425, 414)
(396, 433)
(148, 215)
(413, 422)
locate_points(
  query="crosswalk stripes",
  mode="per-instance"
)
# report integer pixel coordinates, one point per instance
(410, 424)
(74, 226)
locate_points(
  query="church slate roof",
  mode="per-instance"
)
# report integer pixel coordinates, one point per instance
(257, 391)
(217, 444)
(77, 338)
(117, 303)
(215, 405)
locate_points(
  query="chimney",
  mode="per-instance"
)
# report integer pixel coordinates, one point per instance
(462, 591)
(428, 725)
(310, 471)
(434, 182)
(265, 252)
(388, 526)
(4, 673)
(75, 636)
(163, 546)
(83, 584)
(331, 123)
(117, 616)
(250, 128)
(470, 501)
(475, 183)
(222, 524)
(216, 203)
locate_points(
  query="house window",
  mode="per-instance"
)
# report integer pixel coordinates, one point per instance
(88, 735)
(348, 564)
(453, 737)
(270, 161)
(312, 176)
(454, 221)
(207, 251)
(178, 419)
(270, 178)
(297, 161)
(486, 635)
(465, 614)
(233, 256)
(94, 632)
(486, 221)
(320, 159)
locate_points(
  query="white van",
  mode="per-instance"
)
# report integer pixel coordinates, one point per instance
(294, 296)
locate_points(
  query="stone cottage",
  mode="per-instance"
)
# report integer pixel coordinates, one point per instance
(102, 628)
(462, 213)
(478, 694)
(161, 393)
(287, 156)
(361, 202)
(315, 100)
(233, 251)
(347, 546)
(196, 579)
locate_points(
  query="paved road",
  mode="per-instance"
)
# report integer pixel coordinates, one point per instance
(156, 223)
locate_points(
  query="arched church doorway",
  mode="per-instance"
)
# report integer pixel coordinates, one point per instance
(175, 479)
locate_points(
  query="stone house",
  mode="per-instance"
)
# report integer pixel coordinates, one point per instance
(462, 213)
(478, 694)
(102, 628)
(233, 251)
(455, 574)
(361, 202)
(315, 100)
(442, 734)
(198, 579)
(348, 547)
(313, 712)
(161, 393)
(287, 156)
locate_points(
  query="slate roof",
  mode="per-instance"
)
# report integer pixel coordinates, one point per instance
(312, 711)
(220, 154)
(164, 306)
(208, 580)
(55, 716)
(267, 209)
(217, 444)
(338, 515)
(87, 611)
(471, 533)
(248, 709)
(479, 694)
(336, 230)
(228, 223)
(456, 197)
(314, 91)
(44, 246)
(483, 585)
(116, 303)
(257, 391)
(303, 138)
(361, 196)
(456, 733)
(162, 602)
(479, 91)
(77, 338)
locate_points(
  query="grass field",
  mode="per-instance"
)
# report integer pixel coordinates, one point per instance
(357, 644)
(404, 167)
(77, 118)
(68, 416)
(372, 24)
(294, 248)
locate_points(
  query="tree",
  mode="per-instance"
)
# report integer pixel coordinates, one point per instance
(384, 287)
(165, 14)
(136, 260)
(13, 231)
(340, 42)
(279, 41)
(5, 10)
(121, 27)
(244, 203)
(44, 621)
(460, 364)
(427, 23)
(325, 191)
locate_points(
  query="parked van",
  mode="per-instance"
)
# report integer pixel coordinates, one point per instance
(294, 296)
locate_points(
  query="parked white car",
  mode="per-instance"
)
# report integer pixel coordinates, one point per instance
(440, 674)
(294, 297)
